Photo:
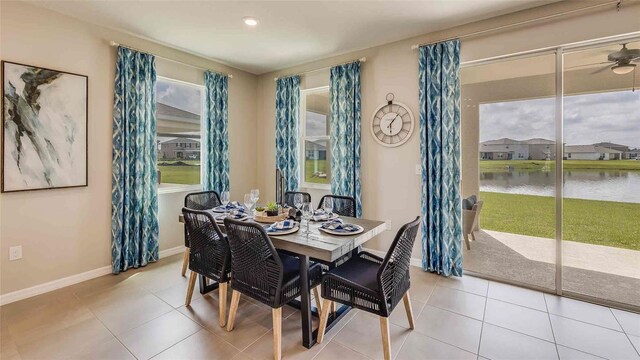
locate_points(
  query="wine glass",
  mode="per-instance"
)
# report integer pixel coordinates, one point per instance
(307, 213)
(327, 205)
(255, 194)
(297, 201)
(248, 201)
(224, 198)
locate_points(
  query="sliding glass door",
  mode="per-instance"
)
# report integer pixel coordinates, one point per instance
(601, 205)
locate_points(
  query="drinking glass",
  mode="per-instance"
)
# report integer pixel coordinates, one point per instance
(327, 205)
(248, 201)
(225, 197)
(255, 194)
(307, 212)
(297, 201)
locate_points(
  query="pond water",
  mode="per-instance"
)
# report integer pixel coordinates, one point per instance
(607, 185)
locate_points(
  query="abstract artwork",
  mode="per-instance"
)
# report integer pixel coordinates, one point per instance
(44, 128)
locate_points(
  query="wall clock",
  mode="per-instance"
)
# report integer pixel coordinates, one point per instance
(392, 123)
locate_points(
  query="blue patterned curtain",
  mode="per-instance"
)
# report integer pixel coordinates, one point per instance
(287, 119)
(215, 142)
(344, 95)
(439, 78)
(134, 195)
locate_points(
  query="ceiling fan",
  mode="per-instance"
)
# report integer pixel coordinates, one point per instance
(620, 62)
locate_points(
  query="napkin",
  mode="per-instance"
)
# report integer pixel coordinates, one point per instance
(338, 225)
(234, 205)
(237, 214)
(320, 215)
(281, 225)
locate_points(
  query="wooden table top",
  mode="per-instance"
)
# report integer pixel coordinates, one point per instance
(324, 246)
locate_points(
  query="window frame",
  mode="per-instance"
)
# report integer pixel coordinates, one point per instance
(303, 138)
(168, 188)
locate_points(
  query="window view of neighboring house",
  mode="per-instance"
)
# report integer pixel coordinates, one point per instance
(315, 147)
(178, 109)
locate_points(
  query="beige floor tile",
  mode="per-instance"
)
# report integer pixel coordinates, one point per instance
(458, 301)
(583, 311)
(418, 346)
(519, 318)
(466, 283)
(333, 351)
(121, 316)
(451, 328)
(498, 343)
(62, 344)
(630, 321)
(176, 295)
(158, 335)
(517, 295)
(635, 340)
(201, 345)
(422, 284)
(572, 354)
(399, 315)
(7, 346)
(26, 307)
(592, 339)
(362, 334)
(110, 350)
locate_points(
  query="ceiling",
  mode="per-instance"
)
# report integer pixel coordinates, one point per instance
(289, 32)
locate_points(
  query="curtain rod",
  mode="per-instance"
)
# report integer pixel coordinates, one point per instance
(524, 22)
(362, 59)
(113, 43)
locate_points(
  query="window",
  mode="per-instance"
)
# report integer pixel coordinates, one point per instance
(315, 146)
(178, 109)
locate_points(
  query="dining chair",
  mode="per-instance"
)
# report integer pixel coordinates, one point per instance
(203, 200)
(289, 197)
(373, 284)
(210, 255)
(342, 205)
(264, 274)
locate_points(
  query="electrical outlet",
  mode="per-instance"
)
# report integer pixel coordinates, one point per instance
(388, 224)
(15, 253)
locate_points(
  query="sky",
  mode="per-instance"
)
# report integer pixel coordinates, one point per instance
(183, 97)
(316, 124)
(588, 119)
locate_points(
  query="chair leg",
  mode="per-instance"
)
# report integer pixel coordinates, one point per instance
(316, 295)
(407, 307)
(222, 301)
(192, 284)
(466, 241)
(235, 298)
(333, 307)
(185, 262)
(386, 341)
(324, 315)
(277, 333)
(473, 236)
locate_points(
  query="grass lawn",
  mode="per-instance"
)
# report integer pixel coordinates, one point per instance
(187, 174)
(309, 169)
(537, 165)
(588, 221)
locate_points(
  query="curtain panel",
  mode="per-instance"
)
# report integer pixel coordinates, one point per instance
(215, 142)
(134, 195)
(287, 120)
(439, 82)
(344, 96)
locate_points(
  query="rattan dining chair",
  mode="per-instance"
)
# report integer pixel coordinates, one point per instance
(210, 255)
(203, 200)
(264, 274)
(290, 195)
(342, 205)
(373, 284)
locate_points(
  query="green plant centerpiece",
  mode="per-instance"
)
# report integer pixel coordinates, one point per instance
(272, 209)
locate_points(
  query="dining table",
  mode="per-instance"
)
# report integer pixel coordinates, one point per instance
(321, 246)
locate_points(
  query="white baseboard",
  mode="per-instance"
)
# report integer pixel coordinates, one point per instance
(414, 261)
(70, 280)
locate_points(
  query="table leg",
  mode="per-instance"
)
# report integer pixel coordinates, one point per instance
(305, 303)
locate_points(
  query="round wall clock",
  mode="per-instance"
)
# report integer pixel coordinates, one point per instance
(392, 124)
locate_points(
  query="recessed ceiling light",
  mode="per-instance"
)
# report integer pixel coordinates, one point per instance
(251, 21)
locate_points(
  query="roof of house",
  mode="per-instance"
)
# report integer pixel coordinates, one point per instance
(539, 141)
(179, 140)
(610, 145)
(494, 148)
(589, 149)
(173, 113)
(508, 141)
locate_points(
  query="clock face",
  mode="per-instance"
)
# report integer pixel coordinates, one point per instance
(392, 124)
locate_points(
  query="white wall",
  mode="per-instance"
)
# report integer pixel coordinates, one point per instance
(65, 232)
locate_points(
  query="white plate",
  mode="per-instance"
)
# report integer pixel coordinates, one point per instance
(220, 218)
(284, 232)
(220, 209)
(333, 217)
(339, 233)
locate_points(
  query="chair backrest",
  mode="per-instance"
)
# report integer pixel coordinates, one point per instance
(209, 251)
(393, 276)
(289, 197)
(256, 268)
(342, 205)
(202, 200)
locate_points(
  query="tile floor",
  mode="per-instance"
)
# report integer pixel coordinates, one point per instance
(140, 314)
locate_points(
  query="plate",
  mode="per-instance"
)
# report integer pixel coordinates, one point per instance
(284, 232)
(342, 233)
(220, 218)
(222, 209)
(333, 217)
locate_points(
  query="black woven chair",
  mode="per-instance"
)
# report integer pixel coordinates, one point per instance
(289, 197)
(203, 200)
(373, 284)
(342, 205)
(210, 255)
(262, 273)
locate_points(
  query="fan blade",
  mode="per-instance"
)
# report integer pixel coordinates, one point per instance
(600, 70)
(592, 64)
